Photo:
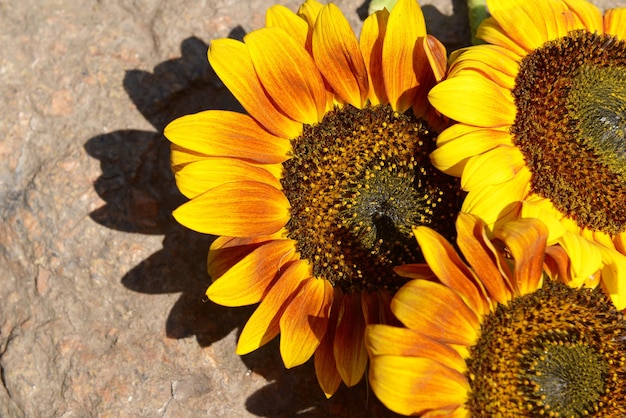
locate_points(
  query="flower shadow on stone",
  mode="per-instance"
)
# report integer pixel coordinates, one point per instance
(140, 193)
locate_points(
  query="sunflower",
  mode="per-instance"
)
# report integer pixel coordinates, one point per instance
(500, 337)
(542, 128)
(313, 194)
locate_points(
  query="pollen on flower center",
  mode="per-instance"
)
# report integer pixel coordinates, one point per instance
(357, 183)
(555, 352)
(570, 96)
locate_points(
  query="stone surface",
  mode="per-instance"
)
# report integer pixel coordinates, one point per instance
(102, 310)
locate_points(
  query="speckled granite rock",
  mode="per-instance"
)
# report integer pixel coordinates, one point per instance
(102, 310)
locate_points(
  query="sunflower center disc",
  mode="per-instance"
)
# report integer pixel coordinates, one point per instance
(357, 183)
(555, 352)
(570, 126)
(598, 97)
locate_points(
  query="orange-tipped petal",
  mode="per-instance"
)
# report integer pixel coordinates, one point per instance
(450, 269)
(556, 264)
(264, 323)
(232, 63)
(221, 133)
(405, 27)
(414, 385)
(288, 74)
(371, 42)
(526, 241)
(338, 56)
(480, 254)
(324, 359)
(415, 271)
(377, 307)
(388, 340)
(281, 17)
(247, 281)
(304, 322)
(225, 252)
(349, 348)
(236, 210)
(437, 311)
(437, 58)
(196, 178)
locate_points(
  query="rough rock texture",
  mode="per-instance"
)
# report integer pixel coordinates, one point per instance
(102, 310)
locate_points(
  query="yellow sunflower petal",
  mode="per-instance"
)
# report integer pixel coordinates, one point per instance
(496, 63)
(458, 143)
(413, 386)
(450, 269)
(328, 377)
(529, 23)
(252, 208)
(232, 63)
(542, 208)
(614, 22)
(247, 281)
(338, 56)
(526, 241)
(227, 134)
(613, 274)
(492, 167)
(480, 254)
(585, 257)
(496, 203)
(437, 311)
(264, 323)
(589, 15)
(491, 32)
(491, 105)
(405, 27)
(371, 42)
(198, 177)
(309, 10)
(281, 17)
(389, 340)
(349, 348)
(288, 74)
(304, 322)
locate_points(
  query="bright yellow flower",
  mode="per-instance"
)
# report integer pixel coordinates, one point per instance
(498, 337)
(315, 192)
(542, 132)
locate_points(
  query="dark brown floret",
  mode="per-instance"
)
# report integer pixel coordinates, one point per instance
(570, 96)
(357, 183)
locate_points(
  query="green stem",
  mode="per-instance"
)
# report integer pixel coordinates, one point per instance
(477, 13)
